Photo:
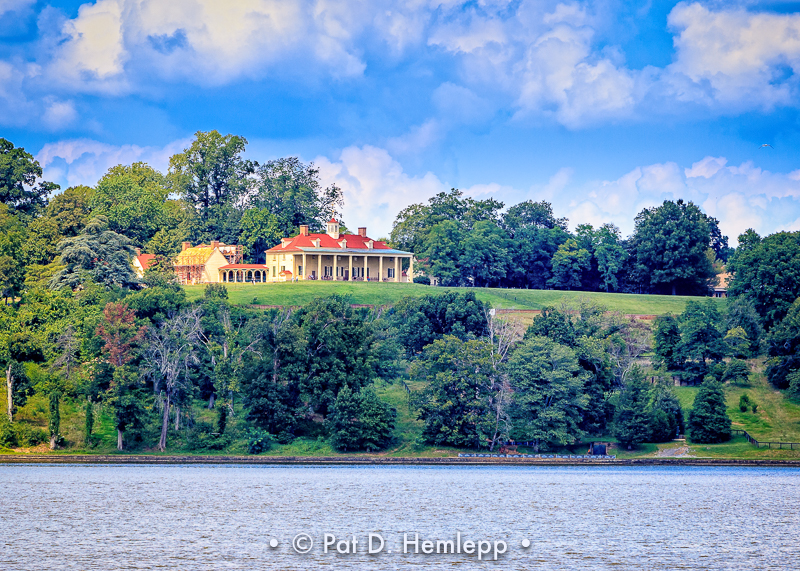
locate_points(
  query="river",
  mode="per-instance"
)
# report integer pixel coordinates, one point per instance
(196, 518)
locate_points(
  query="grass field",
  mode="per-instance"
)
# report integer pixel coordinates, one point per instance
(300, 293)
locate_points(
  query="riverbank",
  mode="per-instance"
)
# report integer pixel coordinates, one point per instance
(377, 460)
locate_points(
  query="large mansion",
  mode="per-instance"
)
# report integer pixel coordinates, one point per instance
(329, 256)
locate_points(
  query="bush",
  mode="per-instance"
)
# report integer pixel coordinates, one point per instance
(361, 421)
(424, 280)
(203, 437)
(744, 402)
(20, 434)
(258, 441)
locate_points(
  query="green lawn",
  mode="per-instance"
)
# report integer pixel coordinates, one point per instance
(300, 293)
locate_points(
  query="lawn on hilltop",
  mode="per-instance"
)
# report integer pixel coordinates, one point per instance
(300, 293)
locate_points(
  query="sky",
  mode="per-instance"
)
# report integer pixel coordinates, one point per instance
(601, 107)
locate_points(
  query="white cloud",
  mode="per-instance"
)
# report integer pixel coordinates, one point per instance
(742, 56)
(84, 161)
(706, 168)
(375, 186)
(7, 6)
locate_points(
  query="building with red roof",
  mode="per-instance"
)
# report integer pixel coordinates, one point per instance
(329, 256)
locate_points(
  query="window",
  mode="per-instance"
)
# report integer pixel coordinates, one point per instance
(274, 258)
(390, 273)
(274, 271)
(299, 270)
(337, 271)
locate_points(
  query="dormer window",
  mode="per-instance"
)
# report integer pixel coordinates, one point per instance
(343, 244)
(316, 242)
(333, 229)
(369, 244)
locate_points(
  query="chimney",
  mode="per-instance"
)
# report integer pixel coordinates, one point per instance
(304, 229)
(138, 251)
(185, 246)
(214, 244)
(362, 231)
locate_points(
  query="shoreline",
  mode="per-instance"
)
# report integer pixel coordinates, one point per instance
(134, 459)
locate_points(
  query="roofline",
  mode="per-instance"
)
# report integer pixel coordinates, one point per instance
(366, 251)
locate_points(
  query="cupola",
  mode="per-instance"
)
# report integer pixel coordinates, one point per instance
(333, 229)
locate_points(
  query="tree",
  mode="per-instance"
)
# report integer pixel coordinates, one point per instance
(132, 198)
(700, 335)
(261, 230)
(420, 321)
(667, 414)
(610, 256)
(666, 342)
(708, 419)
(12, 266)
(441, 253)
(768, 273)
(549, 399)
(531, 215)
(741, 314)
(456, 404)
(669, 247)
(484, 258)
(737, 372)
(631, 421)
(21, 187)
(170, 351)
(361, 421)
(98, 254)
(293, 194)
(211, 175)
(569, 263)
(70, 210)
(783, 348)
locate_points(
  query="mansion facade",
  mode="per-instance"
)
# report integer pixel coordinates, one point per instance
(321, 257)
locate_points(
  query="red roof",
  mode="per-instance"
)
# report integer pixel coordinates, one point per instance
(284, 273)
(243, 267)
(145, 260)
(325, 241)
(333, 221)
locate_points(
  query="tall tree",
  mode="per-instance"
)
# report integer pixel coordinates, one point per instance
(768, 272)
(548, 384)
(211, 175)
(610, 256)
(98, 254)
(783, 348)
(569, 263)
(170, 351)
(631, 420)
(12, 264)
(484, 258)
(71, 210)
(670, 243)
(708, 419)
(133, 199)
(21, 187)
(361, 421)
(442, 253)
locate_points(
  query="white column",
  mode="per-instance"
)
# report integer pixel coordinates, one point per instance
(365, 269)
(319, 266)
(397, 269)
(380, 268)
(410, 269)
(305, 267)
(350, 270)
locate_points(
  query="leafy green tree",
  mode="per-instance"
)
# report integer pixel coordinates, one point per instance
(211, 175)
(88, 422)
(132, 199)
(569, 263)
(456, 403)
(783, 348)
(667, 414)
(12, 266)
(70, 210)
(361, 421)
(42, 239)
(261, 230)
(442, 253)
(99, 255)
(632, 423)
(21, 187)
(741, 313)
(737, 372)
(548, 401)
(484, 258)
(708, 419)
(610, 256)
(666, 342)
(531, 215)
(531, 252)
(669, 248)
(292, 194)
(768, 273)
(701, 338)
(421, 321)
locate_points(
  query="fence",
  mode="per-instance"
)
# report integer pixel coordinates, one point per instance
(759, 444)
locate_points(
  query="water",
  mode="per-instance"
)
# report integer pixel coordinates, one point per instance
(199, 518)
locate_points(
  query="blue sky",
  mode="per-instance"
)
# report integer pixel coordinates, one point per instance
(600, 107)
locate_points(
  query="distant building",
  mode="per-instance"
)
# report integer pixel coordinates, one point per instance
(141, 262)
(200, 264)
(721, 290)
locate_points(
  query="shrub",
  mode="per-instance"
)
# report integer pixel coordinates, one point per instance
(737, 372)
(361, 421)
(258, 441)
(755, 407)
(744, 402)
(424, 280)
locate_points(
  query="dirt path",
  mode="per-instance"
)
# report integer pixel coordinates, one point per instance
(678, 452)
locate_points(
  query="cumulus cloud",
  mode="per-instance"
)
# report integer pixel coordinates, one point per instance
(375, 186)
(739, 196)
(84, 161)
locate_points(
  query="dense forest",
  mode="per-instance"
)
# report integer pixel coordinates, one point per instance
(78, 327)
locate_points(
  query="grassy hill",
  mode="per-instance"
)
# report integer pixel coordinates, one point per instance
(300, 293)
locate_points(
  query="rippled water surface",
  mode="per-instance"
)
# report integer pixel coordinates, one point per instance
(223, 517)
